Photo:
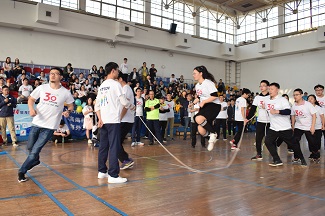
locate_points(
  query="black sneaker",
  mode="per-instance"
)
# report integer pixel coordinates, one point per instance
(34, 165)
(276, 163)
(296, 160)
(303, 162)
(312, 156)
(21, 177)
(151, 143)
(257, 157)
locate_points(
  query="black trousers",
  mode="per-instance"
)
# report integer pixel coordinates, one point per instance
(297, 134)
(287, 137)
(154, 126)
(240, 127)
(318, 139)
(231, 127)
(222, 123)
(163, 125)
(261, 130)
(126, 127)
(193, 135)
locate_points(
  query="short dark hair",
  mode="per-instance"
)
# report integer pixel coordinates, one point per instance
(123, 76)
(125, 59)
(109, 67)
(298, 90)
(69, 64)
(62, 122)
(285, 95)
(25, 79)
(5, 86)
(246, 91)
(266, 82)
(58, 69)
(318, 86)
(138, 89)
(275, 84)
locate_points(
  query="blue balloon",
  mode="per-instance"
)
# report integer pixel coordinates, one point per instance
(83, 104)
(78, 102)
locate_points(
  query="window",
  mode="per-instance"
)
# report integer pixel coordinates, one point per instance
(93, 7)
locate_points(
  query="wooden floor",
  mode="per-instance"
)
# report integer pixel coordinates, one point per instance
(66, 182)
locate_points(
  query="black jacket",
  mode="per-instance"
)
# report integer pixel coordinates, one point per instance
(7, 108)
(231, 113)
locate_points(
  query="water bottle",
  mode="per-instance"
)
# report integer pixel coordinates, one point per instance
(62, 140)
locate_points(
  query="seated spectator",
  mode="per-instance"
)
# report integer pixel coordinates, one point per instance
(137, 85)
(7, 67)
(87, 85)
(90, 79)
(181, 79)
(2, 83)
(73, 88)
(17, 68)
(94, 86)
(147, 84)
(161, 85)
(172, 79)
(81, 78)
(43, 79)
(82, 93)
(24, 91)
(72, 79)
(3, 75)
(101, 74)
(93, 70)
(36, 83)
(77, 84)
(62, 134)
(20, 79)
(23, 72)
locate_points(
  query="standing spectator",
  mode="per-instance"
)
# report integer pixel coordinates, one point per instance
(172, 79)
(7, 67)
(24, 91)
(134, 77)
(143, 72)
(88, 112)
(67, 71)
(163, 110)
(153, 73)
(124, 66)
(60, 133)
(187, 114)
(152, 106)
(194, 108)
(139, 112)
(181, 79)
(222, 118)
(170, 116)
(305, 97)
(7, 104)
(17, 68)
(93, 70)
(110, 99)
(221, 86)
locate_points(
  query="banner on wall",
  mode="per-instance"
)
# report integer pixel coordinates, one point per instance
(75, 122)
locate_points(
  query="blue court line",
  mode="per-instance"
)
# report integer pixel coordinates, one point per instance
(48, 193)
(3, 153)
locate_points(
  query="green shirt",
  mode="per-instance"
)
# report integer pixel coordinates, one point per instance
(153, 114)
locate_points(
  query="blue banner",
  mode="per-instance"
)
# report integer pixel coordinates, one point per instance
(75, 122)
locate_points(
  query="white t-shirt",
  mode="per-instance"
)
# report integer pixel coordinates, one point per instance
(85, 109)
(50, 107)
(139, 106)
(43, 79)
(320, 112)
(124, 68)
(321, 101)
(262, 113)
(303, 114)
(25, 90)
(223, 112)
(171, 106)
(63, 129)
(108, 102)
(163, 116)
(205, 89)
(278, 122)
(240, 102)
(129, 115)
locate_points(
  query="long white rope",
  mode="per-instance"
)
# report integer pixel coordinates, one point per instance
(197, 170)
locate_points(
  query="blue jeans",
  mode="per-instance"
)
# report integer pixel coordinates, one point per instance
(154, 126)
(109, 147)
(37, 139)
(136, 129)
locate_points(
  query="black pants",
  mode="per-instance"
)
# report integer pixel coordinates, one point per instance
(240, 127)
(210, 111)
(193, 135)
(318, 139)
(297, 134)
(125, 129)
(154, 126)
(231, 127)
(261, 130)
(163, 125)
(287, 137)
(222, 123)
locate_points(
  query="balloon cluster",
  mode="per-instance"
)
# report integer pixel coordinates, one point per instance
(79, 105)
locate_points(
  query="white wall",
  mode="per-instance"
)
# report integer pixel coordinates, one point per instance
(292, 71)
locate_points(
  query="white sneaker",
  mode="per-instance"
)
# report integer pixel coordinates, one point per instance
(102, 175)
(56, 142)
(133, 144)
(140, 143)
(89, 141)
(14, 144)
(116, 180)
(212, 141)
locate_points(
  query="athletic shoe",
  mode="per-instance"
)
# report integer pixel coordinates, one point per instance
(303, 162)
(21, 177)
(117, 180)
(232, 142)
(140, 143)
(134, 144)
(257, 157)
(145, 137)
(151, 143)
(224, 139)
(233, 147)
(36, 164)
(55, 141)
(312, 156)
(14, 144)
(96, 145)
(127, 164)
(296, 160)
(212, 141)
(172, 139)
(89, 141)
(254, 144)
(276, 163)
(102, 175)
(290, 151)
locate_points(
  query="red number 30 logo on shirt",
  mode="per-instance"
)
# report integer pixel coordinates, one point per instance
(49, 97)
